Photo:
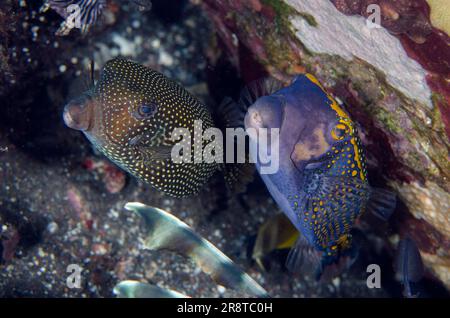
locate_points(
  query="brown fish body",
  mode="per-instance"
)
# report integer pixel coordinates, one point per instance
(130, 115)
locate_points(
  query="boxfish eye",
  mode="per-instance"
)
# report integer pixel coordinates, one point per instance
(146, 110)
(340, 131)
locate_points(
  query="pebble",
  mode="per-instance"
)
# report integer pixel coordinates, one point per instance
(165, 59)
(221, 289)
(41, 252)
(138, 40)
(136, 24)
(336, 282)
(52, 227)
(156, 43)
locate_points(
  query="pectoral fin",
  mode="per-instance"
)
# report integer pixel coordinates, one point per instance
(382, 203)
(156, 153)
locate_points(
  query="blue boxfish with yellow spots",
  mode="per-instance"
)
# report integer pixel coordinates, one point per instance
(321, 184)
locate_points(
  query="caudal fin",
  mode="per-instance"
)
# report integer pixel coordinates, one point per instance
(307, 260)
(304, 258)
(335, 266)
(238, 171)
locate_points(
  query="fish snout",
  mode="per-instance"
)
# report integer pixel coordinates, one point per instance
(253, 119)
(266, 112)
(76, 114)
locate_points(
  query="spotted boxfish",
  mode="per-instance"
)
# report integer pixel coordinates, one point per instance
(130, 114)
(321, 184)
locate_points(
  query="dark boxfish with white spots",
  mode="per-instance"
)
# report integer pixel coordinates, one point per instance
(129, 116)
(321, 184)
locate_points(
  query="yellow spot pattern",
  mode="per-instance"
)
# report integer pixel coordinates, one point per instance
(344, 119)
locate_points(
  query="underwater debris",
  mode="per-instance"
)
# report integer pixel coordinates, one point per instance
(135, 289)
(165, 231)
(8, 243)
(409, 267)
(113, 178)
(80, 206)
(142, 5)
(80, 14)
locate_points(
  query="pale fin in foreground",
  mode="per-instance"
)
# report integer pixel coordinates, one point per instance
(165, 231)
(135, 289)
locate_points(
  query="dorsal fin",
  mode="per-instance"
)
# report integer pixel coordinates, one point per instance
(258, 88)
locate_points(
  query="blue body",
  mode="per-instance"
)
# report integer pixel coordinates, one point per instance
(321, 183)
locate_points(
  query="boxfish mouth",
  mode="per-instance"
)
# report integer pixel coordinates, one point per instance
(77, 113)
(253, 119)
(267, 112)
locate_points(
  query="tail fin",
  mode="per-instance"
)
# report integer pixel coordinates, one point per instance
(382, 203)
(306, 259)
(238, 176)
(232, 114)
(333, 266)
